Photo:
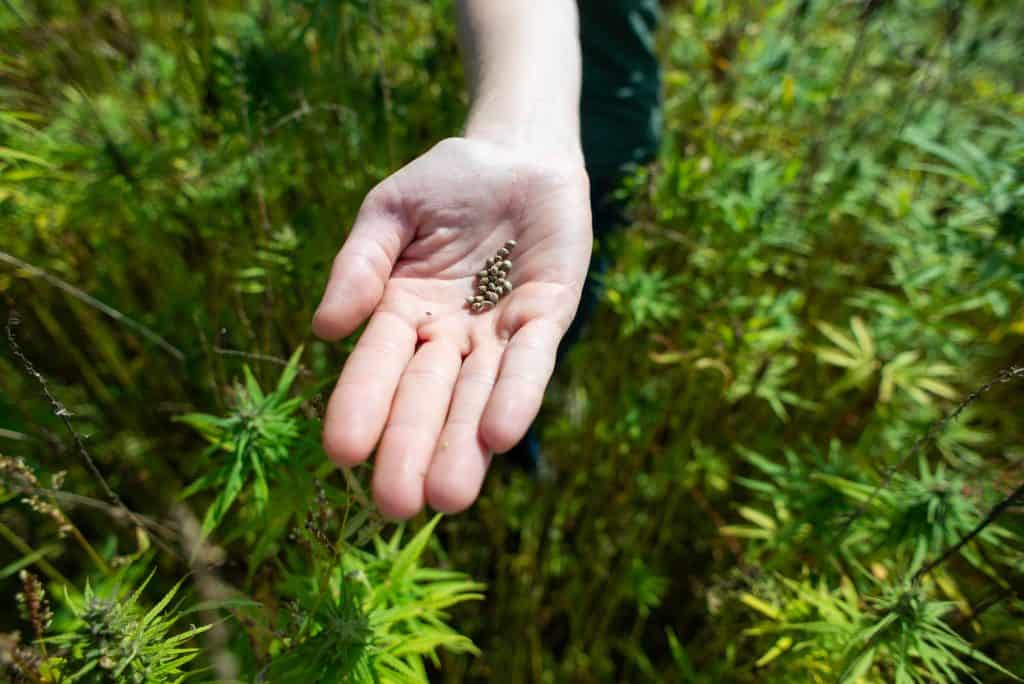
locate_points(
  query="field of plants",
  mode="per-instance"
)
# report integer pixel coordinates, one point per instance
(789, 448)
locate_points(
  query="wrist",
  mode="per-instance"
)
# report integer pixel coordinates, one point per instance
(523, 65)
(529, 126)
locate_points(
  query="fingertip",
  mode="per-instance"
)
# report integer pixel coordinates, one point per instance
(326, 326)
(396, 502)
(450, 495)
(339, 314)
(498, 432)
(344, 446)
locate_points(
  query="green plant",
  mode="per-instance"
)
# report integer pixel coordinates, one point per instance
(258, 437)
(777, 414)
(377, 617)
(113, 638)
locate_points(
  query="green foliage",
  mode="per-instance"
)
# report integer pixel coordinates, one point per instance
(112, 638)
(383, 614)
(259, 437)
(921, 515)
(834, 636)
(644, 300)
(758, 464)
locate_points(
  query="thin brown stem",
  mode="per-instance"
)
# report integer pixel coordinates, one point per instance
(61, 411)
(997, 510)
(89, 300)
(1005, 375)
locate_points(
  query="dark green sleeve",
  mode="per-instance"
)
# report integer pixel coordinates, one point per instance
(620, 105)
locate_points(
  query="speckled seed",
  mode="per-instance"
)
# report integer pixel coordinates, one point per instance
(503, 252)
(470, 301)
(487, 305)
(506, 264)
(493, 297)
(482, 274)
(510, 244)
(478, 306)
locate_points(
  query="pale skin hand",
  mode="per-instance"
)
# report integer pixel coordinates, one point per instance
(437, 388)
(444, 386)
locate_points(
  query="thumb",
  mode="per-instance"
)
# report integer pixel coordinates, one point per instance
(362, 267)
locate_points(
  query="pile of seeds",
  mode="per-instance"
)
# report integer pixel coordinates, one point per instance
(492, 282)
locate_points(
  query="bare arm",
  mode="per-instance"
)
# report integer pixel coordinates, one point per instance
(433, 385)
(522, 59)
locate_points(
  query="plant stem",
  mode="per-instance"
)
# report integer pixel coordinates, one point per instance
(43, 564)
(996, 511)
(85, 297)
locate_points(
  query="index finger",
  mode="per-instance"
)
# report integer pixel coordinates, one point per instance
(361, 401)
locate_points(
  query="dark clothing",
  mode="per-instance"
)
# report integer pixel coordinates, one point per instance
(619, 107)
(620, 112)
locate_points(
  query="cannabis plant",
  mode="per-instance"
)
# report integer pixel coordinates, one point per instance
(375, 616)
(255, 444)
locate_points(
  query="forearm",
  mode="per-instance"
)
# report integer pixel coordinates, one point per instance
(522, 60)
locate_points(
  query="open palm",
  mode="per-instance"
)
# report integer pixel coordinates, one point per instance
(439, 387)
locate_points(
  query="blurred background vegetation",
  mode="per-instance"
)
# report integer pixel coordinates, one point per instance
(789, 448)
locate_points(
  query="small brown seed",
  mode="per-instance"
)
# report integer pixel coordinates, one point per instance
(510, 243)
(470, 301)
(493, 296)
(503, 252)
(482, 274)
(477, 307)
(506, 264)
(487, 305)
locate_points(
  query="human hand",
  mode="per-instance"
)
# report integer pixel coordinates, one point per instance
(444, 386)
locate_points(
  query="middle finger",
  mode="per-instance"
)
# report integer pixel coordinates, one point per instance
(417, 416)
